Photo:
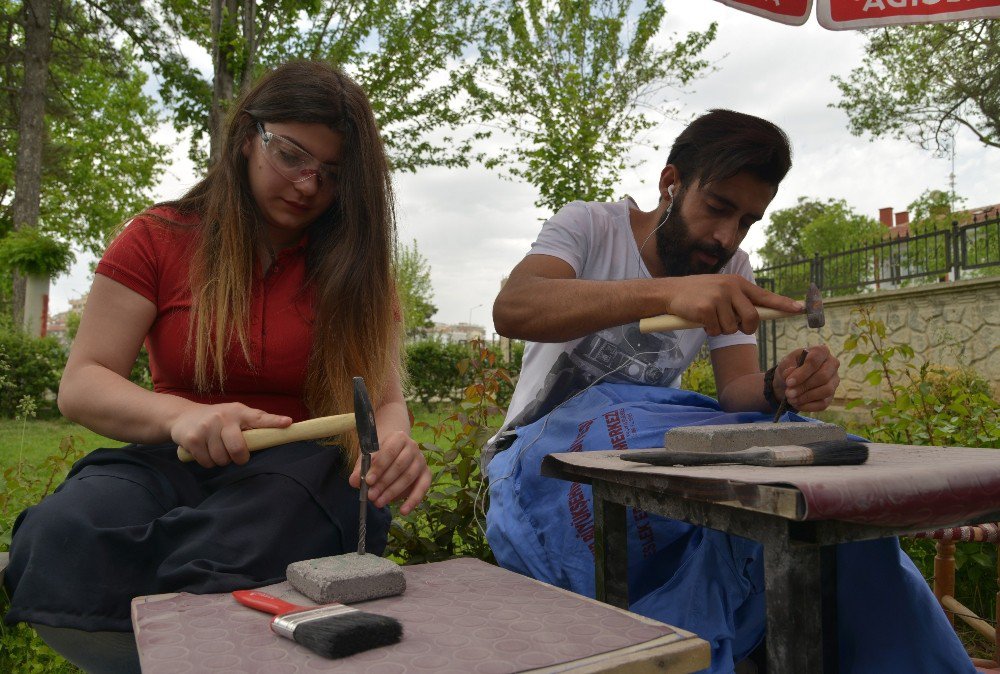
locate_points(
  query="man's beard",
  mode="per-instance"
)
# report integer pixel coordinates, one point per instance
(674, 247)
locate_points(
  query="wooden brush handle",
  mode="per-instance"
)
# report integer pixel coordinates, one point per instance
(312, 429)
(669, 322)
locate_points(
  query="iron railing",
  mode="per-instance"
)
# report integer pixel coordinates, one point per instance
(927, 257)
(965, 251)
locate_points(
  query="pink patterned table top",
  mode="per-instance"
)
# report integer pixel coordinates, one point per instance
(461, 615)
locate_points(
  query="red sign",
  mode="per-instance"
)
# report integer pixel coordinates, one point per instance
(792, 12)
(848, 14)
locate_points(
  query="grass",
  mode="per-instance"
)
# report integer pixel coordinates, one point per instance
(36, 439)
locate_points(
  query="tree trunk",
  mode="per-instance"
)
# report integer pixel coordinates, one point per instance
(250, 40)
(225, 14)
(31, 130)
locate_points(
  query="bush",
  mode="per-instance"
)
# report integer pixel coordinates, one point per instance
(433, 370)
(447, 523)
(920, 405)
(700, 377)
(929, 405)
(30, 368)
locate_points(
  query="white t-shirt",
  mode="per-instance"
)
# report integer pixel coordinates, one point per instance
(596, 239)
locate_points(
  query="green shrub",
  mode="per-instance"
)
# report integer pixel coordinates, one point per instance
(929, 405)
(516, 355)
(140, 373)
(448, 522)
(23, 651)
(920, 404)
(433, 370)
(29, 368)
(700, 377)
(513, 366)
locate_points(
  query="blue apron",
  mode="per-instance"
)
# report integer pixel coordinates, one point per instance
(691, 577)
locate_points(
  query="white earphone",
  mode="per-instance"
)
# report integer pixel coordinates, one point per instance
(670, 190)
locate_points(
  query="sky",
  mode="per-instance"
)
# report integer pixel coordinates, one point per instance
(473, 227)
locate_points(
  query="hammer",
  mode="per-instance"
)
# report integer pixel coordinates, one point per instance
(813, 311)
(363, 418)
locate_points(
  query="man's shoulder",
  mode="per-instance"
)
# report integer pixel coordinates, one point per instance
(598, 216)
(605, 210)
(738, 263)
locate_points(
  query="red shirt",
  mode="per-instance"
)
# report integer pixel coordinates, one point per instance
(152, 259)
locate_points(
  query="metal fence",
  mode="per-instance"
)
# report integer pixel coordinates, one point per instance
(928, 257)
(967, 251)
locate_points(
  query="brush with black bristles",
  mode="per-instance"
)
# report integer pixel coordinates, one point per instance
(821, 453)
(331, 630)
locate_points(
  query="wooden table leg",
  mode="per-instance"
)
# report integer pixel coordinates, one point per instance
(610, 549)
(801, 596)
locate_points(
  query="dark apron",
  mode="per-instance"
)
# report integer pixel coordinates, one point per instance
(136, 521)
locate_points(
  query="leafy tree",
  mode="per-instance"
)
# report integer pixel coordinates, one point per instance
(810, 228)
(922, 82)
(35, 52)
(413, 283)
(784, 231)
(408, 55)
(839, 227)
(96, 159)
(934, 209)
(567, 81)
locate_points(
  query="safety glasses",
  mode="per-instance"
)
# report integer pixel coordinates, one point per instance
(292, 162)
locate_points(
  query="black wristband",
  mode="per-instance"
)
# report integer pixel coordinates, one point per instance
(769, 396)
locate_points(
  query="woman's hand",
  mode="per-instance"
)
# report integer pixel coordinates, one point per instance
(214, 433)
(398, 470)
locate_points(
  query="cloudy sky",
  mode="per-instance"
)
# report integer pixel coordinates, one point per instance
(473, 227)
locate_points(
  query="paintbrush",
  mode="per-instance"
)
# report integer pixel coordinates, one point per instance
(332, 630)
(821, 453)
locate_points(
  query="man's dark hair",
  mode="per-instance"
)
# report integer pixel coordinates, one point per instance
(722, 143)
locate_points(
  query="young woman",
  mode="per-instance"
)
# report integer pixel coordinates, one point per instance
(259, 295)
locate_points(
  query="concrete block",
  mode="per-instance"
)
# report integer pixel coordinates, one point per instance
(346, 578)
(734, 437)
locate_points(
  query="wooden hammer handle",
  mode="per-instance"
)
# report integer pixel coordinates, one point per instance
(669, 322)
(312, 429)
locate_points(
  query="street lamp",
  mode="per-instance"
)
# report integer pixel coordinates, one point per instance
(470, 314)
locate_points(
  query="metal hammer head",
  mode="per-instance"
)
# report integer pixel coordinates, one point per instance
(814, 307)
(364, 418)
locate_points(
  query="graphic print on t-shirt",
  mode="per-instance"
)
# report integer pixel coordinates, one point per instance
(619, 355)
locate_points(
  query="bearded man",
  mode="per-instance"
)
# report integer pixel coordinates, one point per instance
(597, 268)
(591, 381)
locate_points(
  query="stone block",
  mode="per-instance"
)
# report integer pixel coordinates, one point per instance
(346, 578)
(734, 437)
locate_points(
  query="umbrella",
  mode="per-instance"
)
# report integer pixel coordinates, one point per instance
(849, 14)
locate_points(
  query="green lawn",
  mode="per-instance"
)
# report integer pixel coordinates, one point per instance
(35, 439)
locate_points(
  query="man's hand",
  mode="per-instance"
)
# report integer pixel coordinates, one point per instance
(811, 386)
(723, 303)
(398, 470)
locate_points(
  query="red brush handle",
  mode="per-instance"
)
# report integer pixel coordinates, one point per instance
(264, 602)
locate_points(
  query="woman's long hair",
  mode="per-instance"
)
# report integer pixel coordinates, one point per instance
(349, 253)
